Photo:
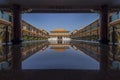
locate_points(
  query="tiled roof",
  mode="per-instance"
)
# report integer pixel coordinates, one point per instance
(59, 30)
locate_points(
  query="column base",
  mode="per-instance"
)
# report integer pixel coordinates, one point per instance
(16, 41)
(103, 41)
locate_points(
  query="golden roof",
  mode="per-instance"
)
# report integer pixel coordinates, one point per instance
(59, 30)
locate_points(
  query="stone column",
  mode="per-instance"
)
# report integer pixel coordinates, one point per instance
(16, 24)
(6, 35)
(104, 25)
(16, 41)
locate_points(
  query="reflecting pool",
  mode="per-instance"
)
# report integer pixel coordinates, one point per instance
(58, 55)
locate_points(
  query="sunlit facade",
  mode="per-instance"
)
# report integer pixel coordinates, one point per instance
(29, 32)
(91, 32)
(5, 26)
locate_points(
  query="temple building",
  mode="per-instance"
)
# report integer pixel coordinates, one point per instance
(59, 34)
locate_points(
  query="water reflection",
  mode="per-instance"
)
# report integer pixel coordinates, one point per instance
(91, 49)
(31, 48)
(59, 46)
(108, 56)
(104, 60)
(12, 56)
(60, 55)
(115, 57)
(5, 57)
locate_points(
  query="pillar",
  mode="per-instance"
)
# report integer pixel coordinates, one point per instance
(104, 61)
(104, 25)
(16, 41)
(16, 24)
(113, 35)
(6, 35)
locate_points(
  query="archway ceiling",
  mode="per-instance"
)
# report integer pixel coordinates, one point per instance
(61, 5)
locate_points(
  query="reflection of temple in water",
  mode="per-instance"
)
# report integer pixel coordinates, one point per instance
(59, 46)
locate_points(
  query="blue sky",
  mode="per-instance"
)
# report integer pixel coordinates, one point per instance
(68, 21)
